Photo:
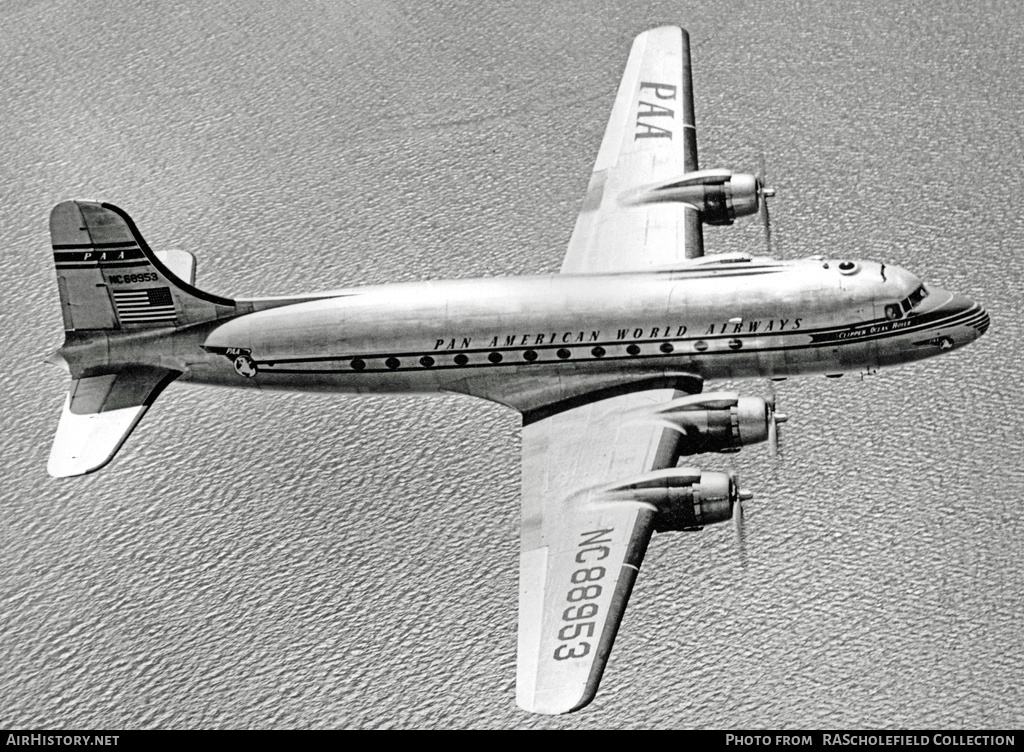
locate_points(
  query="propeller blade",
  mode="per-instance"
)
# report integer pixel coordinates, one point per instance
(737, 521)
(764, 193)
(766, 220)
(775, 418)
(738, 497)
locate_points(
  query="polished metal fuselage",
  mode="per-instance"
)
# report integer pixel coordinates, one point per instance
(537, 342)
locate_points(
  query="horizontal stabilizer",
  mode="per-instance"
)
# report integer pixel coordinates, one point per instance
(99, 414)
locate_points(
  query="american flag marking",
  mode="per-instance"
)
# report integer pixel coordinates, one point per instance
(145, 306)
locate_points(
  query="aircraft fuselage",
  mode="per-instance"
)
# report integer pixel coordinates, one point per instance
(538, 342)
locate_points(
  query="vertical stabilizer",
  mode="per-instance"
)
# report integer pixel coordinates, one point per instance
(110, 279)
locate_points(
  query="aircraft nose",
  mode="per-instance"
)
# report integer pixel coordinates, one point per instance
(972, 320)
(982, 325)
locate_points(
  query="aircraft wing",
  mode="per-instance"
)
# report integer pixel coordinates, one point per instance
(650, 138)
(581, 546)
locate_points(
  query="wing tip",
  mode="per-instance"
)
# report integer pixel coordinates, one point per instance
(558, 705)
(667, 28)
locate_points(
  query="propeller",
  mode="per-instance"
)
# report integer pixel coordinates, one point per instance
(764, 193)
(737, 497)
(774, 419)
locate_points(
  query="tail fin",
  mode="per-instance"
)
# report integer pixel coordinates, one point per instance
(111, 282)
(110, 279)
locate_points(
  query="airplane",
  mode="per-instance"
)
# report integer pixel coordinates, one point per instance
(606, 361)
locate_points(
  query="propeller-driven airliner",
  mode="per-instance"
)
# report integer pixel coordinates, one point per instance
(606, 361)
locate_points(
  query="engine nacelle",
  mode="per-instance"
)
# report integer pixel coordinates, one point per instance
(686, 498)
(717, 421)
(719, 195)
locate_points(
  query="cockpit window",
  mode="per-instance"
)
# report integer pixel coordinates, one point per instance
(906, 305)
(917, 296)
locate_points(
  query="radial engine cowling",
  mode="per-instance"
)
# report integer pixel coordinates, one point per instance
(717, 421)
(719, 195)
(686, 498)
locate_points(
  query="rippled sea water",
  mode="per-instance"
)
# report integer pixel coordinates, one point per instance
(289, 560)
